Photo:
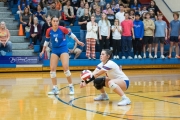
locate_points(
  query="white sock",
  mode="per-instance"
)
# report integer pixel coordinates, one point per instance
(149, 54)
(55, 86)
(70, 85)
(124, 96)
(144, 54)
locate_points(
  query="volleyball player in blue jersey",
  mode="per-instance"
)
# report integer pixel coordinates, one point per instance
(56, 34)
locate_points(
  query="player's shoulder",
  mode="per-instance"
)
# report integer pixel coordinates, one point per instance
(49, 29)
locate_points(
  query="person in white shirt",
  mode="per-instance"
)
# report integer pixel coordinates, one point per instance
(116, 34)
(120, 15)
(104, 32)
(115, 80)
(91, 37)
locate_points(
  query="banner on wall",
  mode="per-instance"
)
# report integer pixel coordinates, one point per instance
(19, 60)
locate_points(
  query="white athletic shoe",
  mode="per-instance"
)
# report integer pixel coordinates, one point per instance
(101, 97)
(155, 56)
(139, 57)
(125, 101)
(71, 90)
(114, 57)
(144, 56)
(135, 57)
(123, 57)
(117, 57)
(150, 56)
(129, 57)
(162, 56)
(54, 91)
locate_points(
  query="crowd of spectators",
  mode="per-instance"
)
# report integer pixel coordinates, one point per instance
(123, 25)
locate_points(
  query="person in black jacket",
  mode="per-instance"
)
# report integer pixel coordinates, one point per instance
(153, 7)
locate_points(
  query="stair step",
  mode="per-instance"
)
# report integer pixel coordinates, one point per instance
(8, 20)
(1, 4)
(20, 46)
(14, 32)
(4, 9)
(18, 39)
(12, 26)
(23, 53)
(6, 15)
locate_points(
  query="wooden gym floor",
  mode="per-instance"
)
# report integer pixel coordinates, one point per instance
(155, 95)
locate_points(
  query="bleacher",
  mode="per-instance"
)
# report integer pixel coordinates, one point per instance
(20, 46)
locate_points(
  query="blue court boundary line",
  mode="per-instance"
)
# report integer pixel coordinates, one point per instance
(109, 114)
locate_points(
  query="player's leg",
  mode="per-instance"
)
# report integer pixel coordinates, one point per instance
(53, 65)
(99, 84)
(65, 64)
(155, 46)
(119, 86)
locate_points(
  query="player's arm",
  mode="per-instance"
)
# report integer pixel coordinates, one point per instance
(67, 32)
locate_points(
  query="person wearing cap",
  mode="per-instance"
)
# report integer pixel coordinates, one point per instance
(138, 33)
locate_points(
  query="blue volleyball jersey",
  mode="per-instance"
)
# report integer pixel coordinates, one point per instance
(57, 37)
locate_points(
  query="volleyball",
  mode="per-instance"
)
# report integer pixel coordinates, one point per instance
(86, 75)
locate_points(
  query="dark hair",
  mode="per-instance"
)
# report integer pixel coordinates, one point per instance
(54, 17)
(24, 2)
(121, 5)
(108, 52)
(176, 13)
(148, 14)
(41, 3)
(153, 2)
(126, 13)
(28, 10)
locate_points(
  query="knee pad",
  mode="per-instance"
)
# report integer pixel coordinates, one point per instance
(113, 85)
(67, 73)
(53, 74)
(99, 83)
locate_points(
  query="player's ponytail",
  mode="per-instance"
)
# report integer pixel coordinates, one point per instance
(108, 52)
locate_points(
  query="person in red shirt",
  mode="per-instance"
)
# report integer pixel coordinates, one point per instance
(127, 34)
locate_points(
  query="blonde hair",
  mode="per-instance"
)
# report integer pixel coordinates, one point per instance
(35, 18)
(2, 22)
(106, 20)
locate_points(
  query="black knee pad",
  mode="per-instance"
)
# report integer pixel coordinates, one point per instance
(99, 83)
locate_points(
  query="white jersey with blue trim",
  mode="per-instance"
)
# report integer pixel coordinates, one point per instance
(112, 70)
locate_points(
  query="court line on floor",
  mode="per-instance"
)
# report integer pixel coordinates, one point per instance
(108, 114)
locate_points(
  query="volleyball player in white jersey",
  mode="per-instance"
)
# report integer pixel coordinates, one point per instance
(115, 80)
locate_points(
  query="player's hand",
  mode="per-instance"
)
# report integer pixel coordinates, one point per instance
(41, 54)
(82, 84)
(80, 43)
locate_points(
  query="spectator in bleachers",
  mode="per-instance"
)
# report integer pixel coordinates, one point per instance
(127, 35)
(69, 12)
(75, 4)
(148, 34)
(104, 32)
(144, 10)
(160, 35)
(91, 37)
(34, 4)
(58, 6)
(143, 17)
(89, 2)
(96, 2)
(174, 34)
(83, 20)
(53, 12)
(107, 7)
(138, 34)
(153, 7)
(63, 2)
(86, 6)
(153, 15)
(73, 46)
(93, 9)
(22, 4)
(120, 15)
(116, 33)
(25, 18)
(110, 16)
(43, 4)
(46, 25)
(40, 15)
(115, 7)
(80, 11)
(35, 32)
(132, 14)
(136, 6)
(5, 44)
(97, 14)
